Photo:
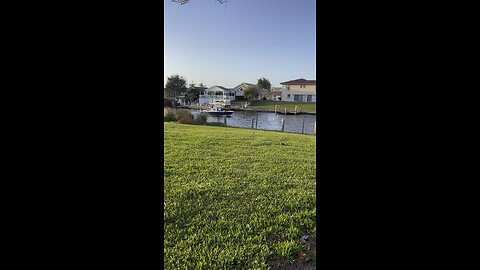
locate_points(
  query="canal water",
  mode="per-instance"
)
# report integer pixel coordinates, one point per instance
(267, 121)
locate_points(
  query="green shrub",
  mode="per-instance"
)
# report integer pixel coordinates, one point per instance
(201, 119)
(168, 102)
(184, 117)
(168, 115)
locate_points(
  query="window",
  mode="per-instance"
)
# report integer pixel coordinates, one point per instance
(309, 98)
(298, 98)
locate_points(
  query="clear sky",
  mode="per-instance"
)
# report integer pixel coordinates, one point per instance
(210, 43)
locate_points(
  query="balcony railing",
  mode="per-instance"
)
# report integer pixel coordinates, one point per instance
(217, 96)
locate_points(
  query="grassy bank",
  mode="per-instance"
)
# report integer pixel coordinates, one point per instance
(237, 198)
(270, 105)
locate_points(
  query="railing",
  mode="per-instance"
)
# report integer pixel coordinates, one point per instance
(216, 96)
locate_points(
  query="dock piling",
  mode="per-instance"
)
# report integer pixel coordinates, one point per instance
(303, 126)
(283, 125)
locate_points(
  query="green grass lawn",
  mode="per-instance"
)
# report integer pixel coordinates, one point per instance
(270, 105)
(236, 198)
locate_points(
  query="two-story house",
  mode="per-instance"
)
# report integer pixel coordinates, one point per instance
(216, 93)
(299, 90)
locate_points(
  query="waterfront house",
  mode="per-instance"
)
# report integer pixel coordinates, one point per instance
(276, 94)
(239, 89)
(216, 93)
(299, 90)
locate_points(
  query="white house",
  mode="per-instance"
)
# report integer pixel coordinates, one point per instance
(277, 93)
(216, 93)
(241, 88)
(299, 90)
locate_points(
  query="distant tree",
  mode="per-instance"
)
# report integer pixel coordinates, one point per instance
(193, 92)
(264, 83)
(175, 85)
(251, 93)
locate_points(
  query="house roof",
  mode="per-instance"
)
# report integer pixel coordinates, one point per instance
(224, 88)
(300, 81)
(247, 84)
(221, 87)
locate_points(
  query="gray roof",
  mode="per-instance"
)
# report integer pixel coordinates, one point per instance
(224, 88)
(248, 84)
(221, 87)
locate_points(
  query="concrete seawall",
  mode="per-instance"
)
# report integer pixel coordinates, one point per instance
(247, 109)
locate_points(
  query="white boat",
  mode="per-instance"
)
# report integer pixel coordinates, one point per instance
(219, 107)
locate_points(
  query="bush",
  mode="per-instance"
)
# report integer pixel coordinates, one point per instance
(168, 115)
(240, 98)
(201, 119)
(184, 117)
(168, 102)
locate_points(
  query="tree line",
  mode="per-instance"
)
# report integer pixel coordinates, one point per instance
(177, 85)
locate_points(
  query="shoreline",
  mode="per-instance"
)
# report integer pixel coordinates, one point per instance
(252, 110)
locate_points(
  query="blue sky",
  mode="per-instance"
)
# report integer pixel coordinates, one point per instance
(215, 44)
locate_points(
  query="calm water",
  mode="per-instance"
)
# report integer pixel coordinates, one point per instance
(266, 121)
